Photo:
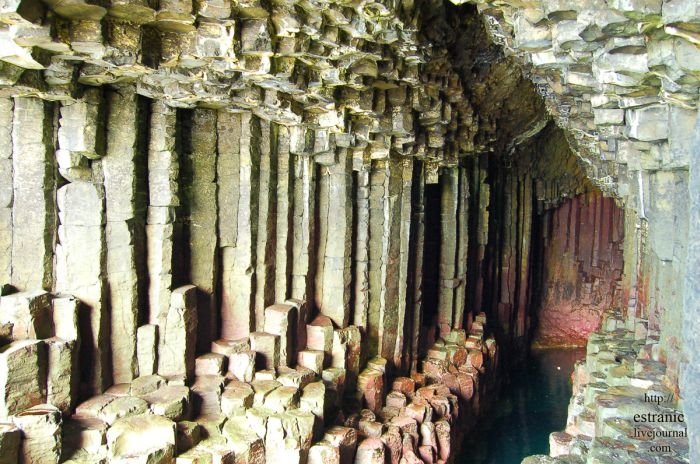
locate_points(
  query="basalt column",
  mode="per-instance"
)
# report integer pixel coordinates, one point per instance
(125, 201)
(239, 170)
(33, 193)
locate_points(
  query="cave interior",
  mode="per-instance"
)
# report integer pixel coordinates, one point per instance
(326, 231)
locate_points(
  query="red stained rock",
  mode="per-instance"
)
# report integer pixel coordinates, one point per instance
(396, 399)
(405, 424)
(370, 451)
(405, 385)
(392, 440)
(319, 334)
(427, 454)
(444, 437)
(345, 439)
(370, 386)
(475, 358)
(419, 410)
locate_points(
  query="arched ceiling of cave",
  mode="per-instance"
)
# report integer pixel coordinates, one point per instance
(426, 79)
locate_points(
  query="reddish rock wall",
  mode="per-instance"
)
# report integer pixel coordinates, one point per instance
(582, 268)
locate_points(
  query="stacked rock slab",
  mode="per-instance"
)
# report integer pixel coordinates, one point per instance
(621, 409)
(210, 409)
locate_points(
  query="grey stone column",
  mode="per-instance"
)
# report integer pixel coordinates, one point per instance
(361, 256)
(124, 175)
(284, 226)
(163, 172)
(6, 194)
(690, 371)
(449, 209)
(266, 220)
(334, 271)
(202, 201)
(34, 187)
(303, 247)
(238, 232)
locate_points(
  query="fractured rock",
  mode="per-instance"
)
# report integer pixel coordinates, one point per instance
(142, 436)
(41, 434)
(22, 376)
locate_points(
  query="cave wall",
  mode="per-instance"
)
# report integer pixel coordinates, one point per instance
(317, 151)
(582, 241)
(621, 78)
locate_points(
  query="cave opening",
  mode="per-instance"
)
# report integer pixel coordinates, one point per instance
(326, 232)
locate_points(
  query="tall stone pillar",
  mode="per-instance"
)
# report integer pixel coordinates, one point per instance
(125, 202)
(34, 190)
(303, 246)
(239, 169)
(449, 209)
(267, 219)
(6, 194)
(201, 195)
(283, 227)
(361, 255)
(163, 171)
(335, 241)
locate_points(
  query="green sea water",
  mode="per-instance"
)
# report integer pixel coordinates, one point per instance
(533, 405)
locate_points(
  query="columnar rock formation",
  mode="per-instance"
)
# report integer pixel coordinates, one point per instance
(582, 263)
(189, 185)
(620, 409)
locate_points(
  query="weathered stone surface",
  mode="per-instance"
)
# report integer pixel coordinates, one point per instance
(124, 406)
(249, 448)
(85, 433)
(345, 439)
(29, 313)
(142, 436)
(313, 399)
(33, 204)
(242, 365)
(267, 349)
(64, 309)
(207, 390)
(10, 438)
(210, 364)
(370, 386)
(147, 349)
(311, 359)
(62, 378)
(41, 434)
(178, 334)
(22, 376)
(319, 334)
(324, 453)
(347, 353)
(171, 401)
(281, 319)
(80, 269)
(370, 451)
(236, 398)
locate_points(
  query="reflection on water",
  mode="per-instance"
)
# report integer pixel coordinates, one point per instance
(529, 409)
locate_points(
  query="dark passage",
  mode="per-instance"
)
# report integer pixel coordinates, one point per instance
(531, 407)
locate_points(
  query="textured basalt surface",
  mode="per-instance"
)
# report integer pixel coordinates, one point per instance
(172, 172)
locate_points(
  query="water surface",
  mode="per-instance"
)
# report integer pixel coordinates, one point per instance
(531, 407)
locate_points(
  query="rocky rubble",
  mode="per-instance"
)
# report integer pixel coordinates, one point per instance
(223, 407)
(619, 395)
